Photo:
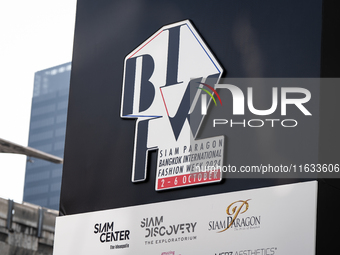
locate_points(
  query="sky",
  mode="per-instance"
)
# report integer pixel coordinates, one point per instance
(34, 35)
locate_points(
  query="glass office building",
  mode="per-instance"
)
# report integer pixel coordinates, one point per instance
(47, 133)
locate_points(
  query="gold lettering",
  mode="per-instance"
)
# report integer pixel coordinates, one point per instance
(236, 211)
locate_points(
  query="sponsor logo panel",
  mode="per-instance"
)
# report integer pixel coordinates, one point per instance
(241, 223)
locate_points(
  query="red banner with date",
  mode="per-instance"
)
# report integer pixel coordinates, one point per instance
(188, 179)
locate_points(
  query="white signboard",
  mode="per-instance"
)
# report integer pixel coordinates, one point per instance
(277, 220)
(168, 84)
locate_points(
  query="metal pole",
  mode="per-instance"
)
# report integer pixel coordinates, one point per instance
(40, 222)
(9, 214)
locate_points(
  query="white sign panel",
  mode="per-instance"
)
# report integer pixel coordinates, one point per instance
(166, 83)
(277, 220)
